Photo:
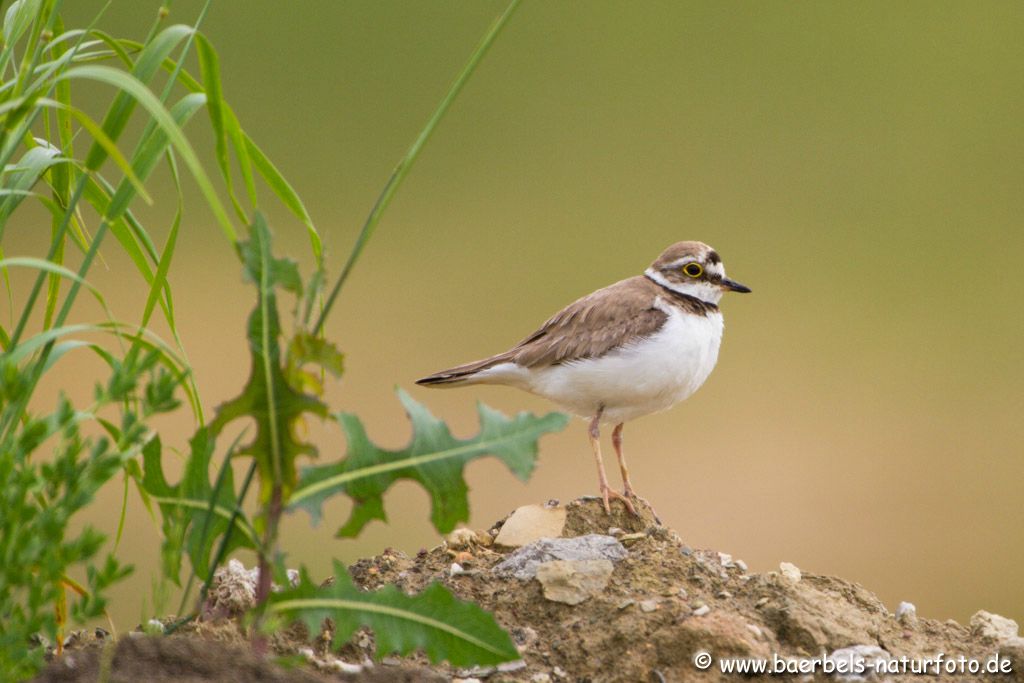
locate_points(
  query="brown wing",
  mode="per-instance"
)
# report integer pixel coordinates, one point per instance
(594, 325)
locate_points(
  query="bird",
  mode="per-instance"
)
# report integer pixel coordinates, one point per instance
(630, 349)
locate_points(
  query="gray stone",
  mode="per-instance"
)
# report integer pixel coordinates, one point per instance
(523, 563)
(573, 581)
(531, 523)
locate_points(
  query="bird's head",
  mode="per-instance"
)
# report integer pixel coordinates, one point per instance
(694, 269)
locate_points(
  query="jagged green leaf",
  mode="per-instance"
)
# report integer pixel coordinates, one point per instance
(444, 627)
(189, 521)
(268, 398)
(434, 458)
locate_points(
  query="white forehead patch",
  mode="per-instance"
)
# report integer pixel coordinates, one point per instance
(680, 262)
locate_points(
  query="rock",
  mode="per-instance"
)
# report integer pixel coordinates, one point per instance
(726, 560)
(993, 627)
(741, 565)
(826, 614)
(648, 606)
(573, 581)
(541, 677)
(790, 572)
(906, 614)
(1012, 654)
(530, 523)
(523, 563)
(701, 611)
(631, 538)
(460, 538)
(232, 590)
(456, 569)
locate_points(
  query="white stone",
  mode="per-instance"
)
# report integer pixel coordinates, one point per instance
(531, 523)
(790, 572)
(993, 626)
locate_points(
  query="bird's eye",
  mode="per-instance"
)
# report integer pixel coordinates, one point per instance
(693, 269)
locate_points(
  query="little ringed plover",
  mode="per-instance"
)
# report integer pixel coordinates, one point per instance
(633, 348)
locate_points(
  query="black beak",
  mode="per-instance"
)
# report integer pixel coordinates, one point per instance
(734, 286)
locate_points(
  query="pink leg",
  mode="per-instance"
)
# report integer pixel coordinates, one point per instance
(627, 489)
(607, 492)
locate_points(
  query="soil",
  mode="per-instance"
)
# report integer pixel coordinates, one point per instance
(664, 603)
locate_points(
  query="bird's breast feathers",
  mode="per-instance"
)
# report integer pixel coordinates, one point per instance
(642, 377)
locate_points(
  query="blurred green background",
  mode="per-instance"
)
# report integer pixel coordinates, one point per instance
(860, 165)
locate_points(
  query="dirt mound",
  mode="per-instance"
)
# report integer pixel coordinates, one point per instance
(609, 599)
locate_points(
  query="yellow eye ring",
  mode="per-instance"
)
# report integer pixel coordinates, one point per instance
(693, 269)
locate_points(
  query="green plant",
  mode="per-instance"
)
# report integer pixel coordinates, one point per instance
(39, 499)
(202, 520)
(75, 168)
(197, 514)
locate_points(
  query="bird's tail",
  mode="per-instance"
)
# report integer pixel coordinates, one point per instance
(470, 373)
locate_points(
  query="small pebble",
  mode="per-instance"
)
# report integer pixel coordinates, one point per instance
(756, 630)
(541, 677)
(790, 572)
(742, 566)
(626, 603)
(906, 613)
(701, 611)
(456, 569)
(724, 595)
(726, 560)
(681, 592)
(344, 667)
(761, 602)
(648, 606)
(686, 551)
(559, 672)
(615, 531)
(509, 667)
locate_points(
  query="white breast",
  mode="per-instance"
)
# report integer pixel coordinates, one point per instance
(641, 378)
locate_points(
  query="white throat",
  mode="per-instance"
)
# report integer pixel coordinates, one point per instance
(704, 291)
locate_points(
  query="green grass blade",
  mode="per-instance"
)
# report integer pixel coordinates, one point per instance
(209, 69)
(285, 193)
(163, 118)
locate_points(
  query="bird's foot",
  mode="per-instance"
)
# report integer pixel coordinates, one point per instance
(608, 494)
(630, 494)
